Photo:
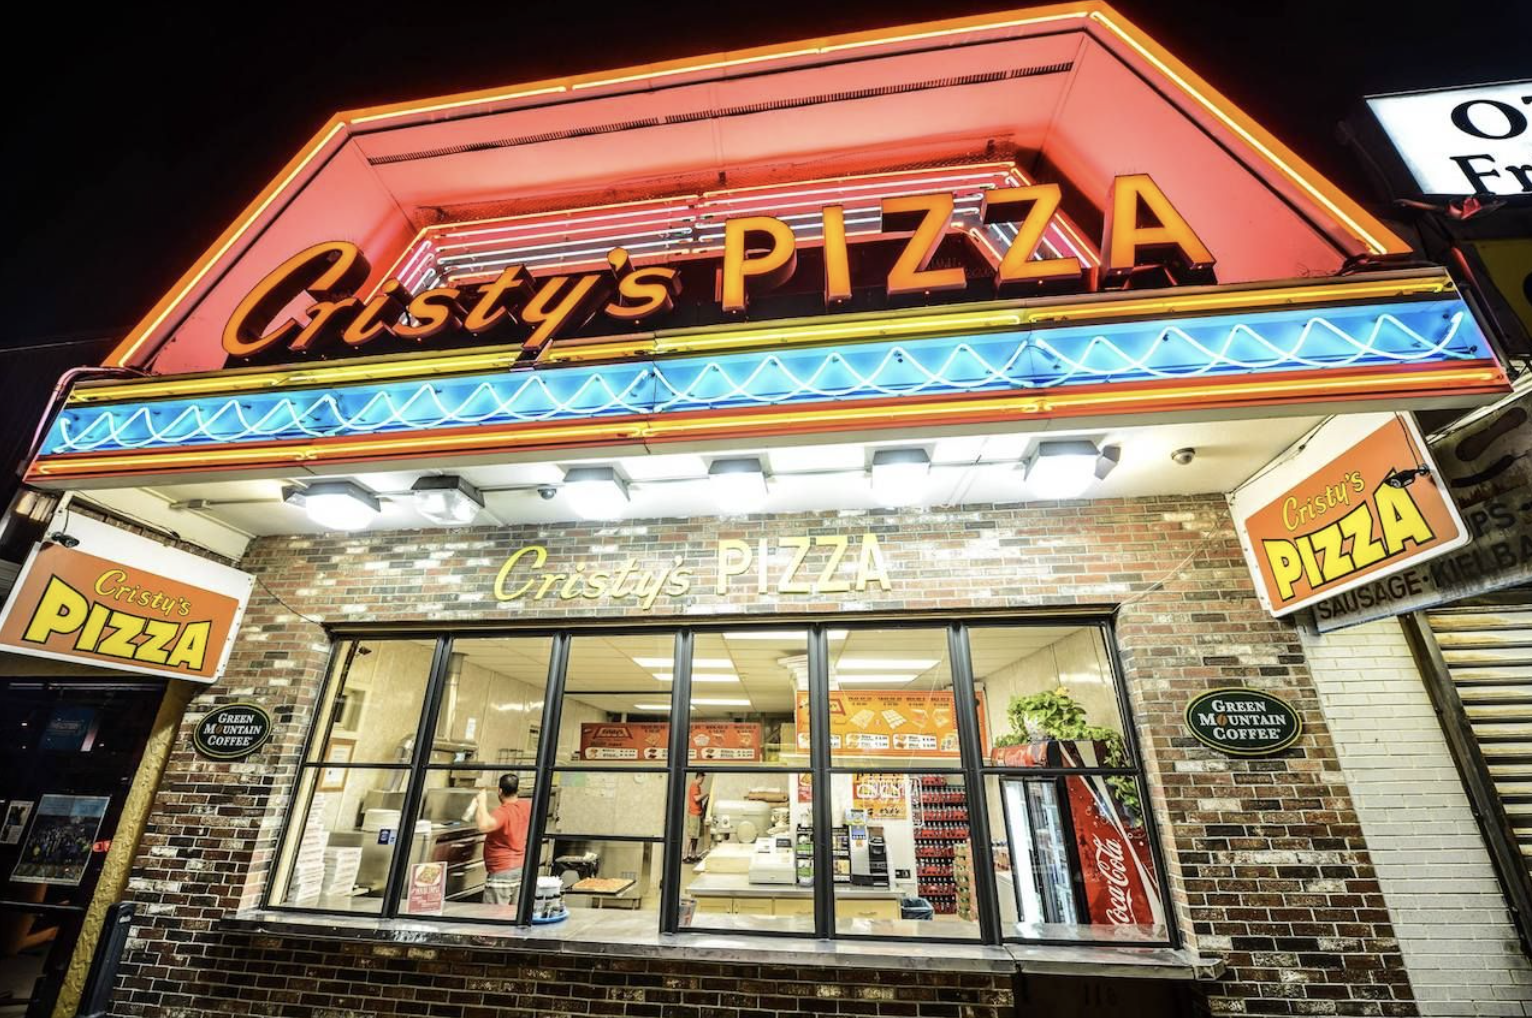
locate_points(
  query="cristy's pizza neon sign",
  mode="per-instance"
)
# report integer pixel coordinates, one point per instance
(1141, 228)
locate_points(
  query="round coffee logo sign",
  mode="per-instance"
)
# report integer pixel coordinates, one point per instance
(1244, 722)
(232, 731)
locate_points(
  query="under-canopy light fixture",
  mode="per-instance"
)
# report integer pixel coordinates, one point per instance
(447, 499)
(595, 493)
(899, 476)
(1065, 468)
(336, 505)
(739, 485)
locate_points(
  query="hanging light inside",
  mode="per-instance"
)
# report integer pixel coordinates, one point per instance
(336, 505)
(595, 493)
(899, 476)
(1065, 468)
(739, 485)
(447, 499)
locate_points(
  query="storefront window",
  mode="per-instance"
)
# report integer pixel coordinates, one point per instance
(749, 698)
(1072, 850)
(468, 848)
(975, 783)
(349, 811)
(891, 701)
(748, 853)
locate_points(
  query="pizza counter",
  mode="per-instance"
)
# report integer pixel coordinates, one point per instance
(734, 894)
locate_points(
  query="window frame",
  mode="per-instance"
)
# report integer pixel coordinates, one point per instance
(972, 765)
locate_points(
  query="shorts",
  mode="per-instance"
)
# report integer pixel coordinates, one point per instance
(693, 826)
(502, 888)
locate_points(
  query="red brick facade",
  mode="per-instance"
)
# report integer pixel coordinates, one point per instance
(1268, 868)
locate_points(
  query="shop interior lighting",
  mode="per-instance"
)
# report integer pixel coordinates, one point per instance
(652, 706)
(701, 662)
(739, 485)
(447, 499)
(887, 664)
(899, 476)
(595, 493)
(335, 505)
(701, 677)
(1065, 468)
(873, 678)
(698, 701)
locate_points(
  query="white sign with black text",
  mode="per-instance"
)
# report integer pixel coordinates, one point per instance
(1460, 141)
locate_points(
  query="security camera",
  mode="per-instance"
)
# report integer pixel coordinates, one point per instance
(1183, 456)
(63, 539)
(546, 492)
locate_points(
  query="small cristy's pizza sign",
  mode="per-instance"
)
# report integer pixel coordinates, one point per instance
(1243, 722)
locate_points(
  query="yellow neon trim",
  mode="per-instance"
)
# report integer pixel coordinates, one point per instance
(1232, 118)
(124, 351)
(452, 104)
(1356, 288)
(662, 427)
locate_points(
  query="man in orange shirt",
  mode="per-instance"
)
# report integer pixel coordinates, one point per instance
(696, 806)
(505, 840)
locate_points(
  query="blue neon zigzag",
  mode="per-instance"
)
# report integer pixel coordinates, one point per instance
(101, 428)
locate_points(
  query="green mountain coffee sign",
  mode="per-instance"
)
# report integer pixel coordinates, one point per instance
(232, 731)
(1243, 722)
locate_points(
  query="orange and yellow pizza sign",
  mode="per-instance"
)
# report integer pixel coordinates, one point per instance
(74, 606)
(1371, 506)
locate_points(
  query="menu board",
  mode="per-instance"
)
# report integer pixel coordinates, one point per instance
(888, 723)
(724, 741)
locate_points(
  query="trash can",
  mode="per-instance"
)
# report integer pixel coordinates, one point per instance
(916, 908)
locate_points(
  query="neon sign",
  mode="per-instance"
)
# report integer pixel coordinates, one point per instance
(1145, 238)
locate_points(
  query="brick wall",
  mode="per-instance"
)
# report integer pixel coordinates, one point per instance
(1268, 865)
(1447, 907)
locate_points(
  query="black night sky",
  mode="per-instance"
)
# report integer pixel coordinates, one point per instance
(135, 136)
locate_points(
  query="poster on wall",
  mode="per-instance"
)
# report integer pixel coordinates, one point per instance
(116, 600)
(1358, 500)
(888, 723)
(880, 796)
(1485, 467)
(63, 835)
(724, 741)
(15, 823)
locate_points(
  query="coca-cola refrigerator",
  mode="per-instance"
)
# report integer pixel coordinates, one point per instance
(1086, 861)
(1043, 882)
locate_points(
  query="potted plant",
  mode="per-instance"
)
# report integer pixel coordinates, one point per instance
(1053, 714)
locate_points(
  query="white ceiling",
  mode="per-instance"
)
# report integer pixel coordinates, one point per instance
(965, 469)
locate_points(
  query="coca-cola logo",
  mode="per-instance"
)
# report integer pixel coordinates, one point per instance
(1112, 863)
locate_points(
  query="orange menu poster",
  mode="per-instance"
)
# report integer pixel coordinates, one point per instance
(729, 741)
(888, 723)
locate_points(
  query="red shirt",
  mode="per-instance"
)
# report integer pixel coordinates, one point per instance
(694, 799)
(505, 847)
